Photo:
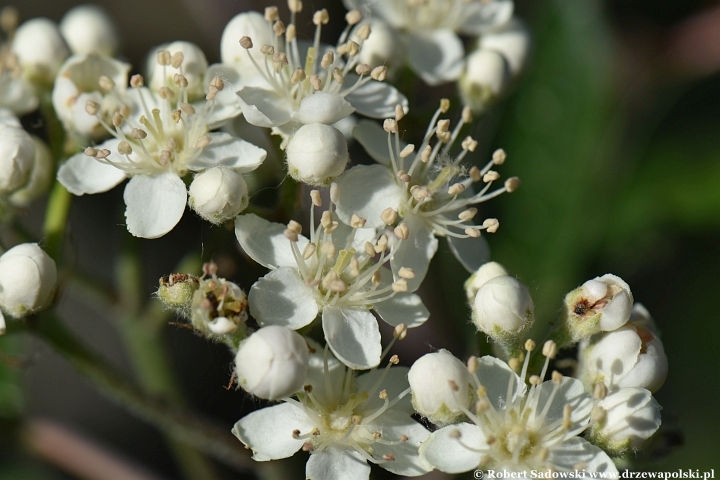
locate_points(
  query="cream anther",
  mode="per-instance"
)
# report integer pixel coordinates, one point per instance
(353, 17)
(91, 107)
(402, 231)
(499, 156)
(321, 17)
(246, 42)
(327, 59)
(315, 197)
(379, 73)
(279, 28)
(163, 57)
(137, 81)
(444, 105)
(491, 225)
(124, 148)
(472, 232)
(456, 189)
(309, 250)
(491, 176)
(550, 349)
(390, 125)
(106, 83)
(475, 174)
(468, 214)
(512, 184)
(177, 59)
(272, 14)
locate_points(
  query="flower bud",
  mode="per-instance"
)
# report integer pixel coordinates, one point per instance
(631, 417)
(41, 176)
(17, 156)
(317, 154)
(503, 307)
(176, 291)
(441, 387)
(194, 68)
(89, 29)
(599, 305)
(631, 356)
(486, 272)
(40, 49)
(27, 280)
(513, 41)
(485, 79)
(272, 363)
(219, 307)
(218, 194)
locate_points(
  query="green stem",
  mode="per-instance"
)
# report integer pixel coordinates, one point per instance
(175, 422)
(149, 355)
(55, 220)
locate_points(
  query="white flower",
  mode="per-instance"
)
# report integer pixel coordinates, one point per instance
(218, 307)
(343, 421)
(487, 271)
(285, 85)
(430, 28)
(599, 305)
(93, 78)
(17, 157)
(512, 40)
(218, 194)
(334, 272)
(16, 92)
(428, 187)
(272, 363)
(503, 307)
(317, 154)
(442, 388)
(485, 79)
(89, 29)
(41, 175)
(624, 420)
(519, 429)
(40, 50)
(27, 280)
(631, 356)
(158, 145)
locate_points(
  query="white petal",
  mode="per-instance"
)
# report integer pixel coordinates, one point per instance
(367, 190)
(394, 383)
(353, 336)
(81, 174)
(495, 375)
(483, 16)
(393, 425)
(269, 431)
(448, 454)
(374, 140)
(264, 108)
(375, 99)
(282, 298)
(415, 252)
(471, 252)
(571, 392)
(406, 308)
(577, 450)
(335, 463)
(316, 374)
(323, 107)
(265, 241)
(437, 55)
(154, 204)
(229, 151)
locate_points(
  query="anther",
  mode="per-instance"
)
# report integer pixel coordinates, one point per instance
(357, 221)
(394, 360)
(104, 153)
(400, 286)
(399, 112)
(187, 108)
(138, 134)
(363, 69)
(529, 345)
(481, 390)
(124, 148)
(137, 81)
(490, 439)
(295, 6)
(468, 214)
(376, 435)
(309, 250)
(425, 154)
(472, 232)
(217, 82)
(469, 144)
(400, 332)
(271, 14)
(363, 32)
(290, 33)
(379, 73)
(490, 176)
(91, 152)
(297, 76)
(176, 115)
(598, 414)
(456, 189)
(405, 152)
(327, 59)
(383, 394)
(177, 59)
(444, 105)
(377, 278)
(406, 273)
(106, 83)
(352, 48)
(472, 364)
(403, 176)
(443, 125)
(328, 249)
(534, 380)
(267, 50)
(550, 349)
(389, 216)
(295, 227)
(163, 57)
(390, 125)
(315, 197)
(402, 231)
(512, 184)
(246, 42)
(369, 249)
(321, 17)
(316, 82)
(353, 17)
(338, 76)
(203, 142)
(556, 377)
(475, 174)
(279, 28)
(599, 391)
(567, 420)
(467, 115)
(296, 434)
(91, 107)
(491, 225)
(514, 363)
(499, 156)
(117, 119)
